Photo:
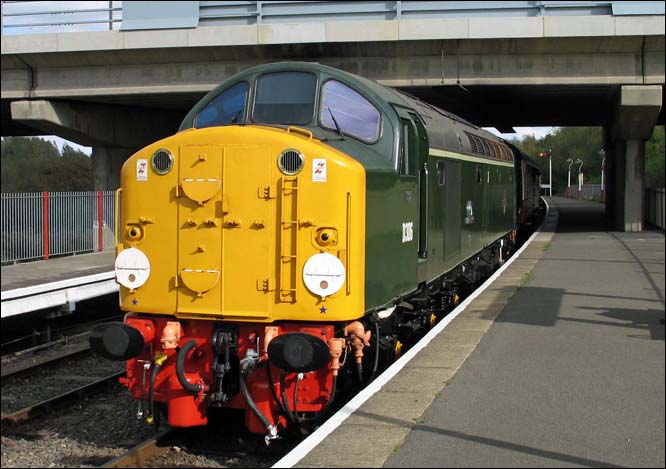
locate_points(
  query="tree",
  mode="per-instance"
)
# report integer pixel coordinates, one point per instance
(585, 143)
(32, 164)
(654, 159)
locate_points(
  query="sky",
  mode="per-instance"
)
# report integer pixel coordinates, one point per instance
(17, 7)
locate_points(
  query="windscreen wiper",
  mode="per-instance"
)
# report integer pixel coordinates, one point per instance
(235, 118)
(337, 127)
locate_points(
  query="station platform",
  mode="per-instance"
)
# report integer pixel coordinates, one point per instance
(63, 281)
(559, 362)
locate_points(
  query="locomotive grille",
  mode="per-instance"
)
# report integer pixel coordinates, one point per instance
(291, 162)
(162, 161)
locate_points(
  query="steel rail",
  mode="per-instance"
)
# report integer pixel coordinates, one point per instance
(76, 350)
(41, 408)
(143, 452)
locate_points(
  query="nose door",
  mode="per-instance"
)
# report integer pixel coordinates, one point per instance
(200, 217)
(249, 238)
(227, 240)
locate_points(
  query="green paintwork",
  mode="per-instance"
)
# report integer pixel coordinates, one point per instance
(392, 266)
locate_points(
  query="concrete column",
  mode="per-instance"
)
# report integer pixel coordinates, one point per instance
(635, 118)
(611, 183)
(107, 162)
(629, 180)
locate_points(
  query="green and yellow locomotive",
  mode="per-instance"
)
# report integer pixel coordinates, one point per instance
(302, 226)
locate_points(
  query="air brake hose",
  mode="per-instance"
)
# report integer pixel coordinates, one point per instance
(151, 393)
(285, 402)
(271, 384)
(180, 368)
(359, 371)
(159, 359)
(250, 401)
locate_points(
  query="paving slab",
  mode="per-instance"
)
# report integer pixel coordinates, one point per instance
(29, 274)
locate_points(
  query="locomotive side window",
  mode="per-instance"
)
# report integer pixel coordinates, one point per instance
(354, 114)
(226, 108)
(441, 173)
(407, 157)
(284, 98)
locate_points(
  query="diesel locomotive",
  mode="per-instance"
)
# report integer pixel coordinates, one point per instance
(302, 227)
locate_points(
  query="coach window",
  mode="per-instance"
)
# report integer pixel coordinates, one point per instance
(354, 115)
(226, 108)
(285, 98)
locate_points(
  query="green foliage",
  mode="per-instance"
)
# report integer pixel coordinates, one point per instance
(585, 143)
(32, 164)
(567, 142)
(654, 159)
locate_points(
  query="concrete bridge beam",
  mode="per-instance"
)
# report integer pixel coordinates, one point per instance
(635, 117)
(97, 124)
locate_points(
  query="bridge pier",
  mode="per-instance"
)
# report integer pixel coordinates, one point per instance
(635, 116)
(107, 162)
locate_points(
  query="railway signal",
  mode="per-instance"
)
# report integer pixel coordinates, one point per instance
(548, 154)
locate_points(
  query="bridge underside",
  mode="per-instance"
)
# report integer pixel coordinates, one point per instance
(499, 106)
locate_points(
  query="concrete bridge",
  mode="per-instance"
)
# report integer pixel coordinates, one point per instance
(498, 64)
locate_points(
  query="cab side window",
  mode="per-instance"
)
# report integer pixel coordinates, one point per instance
(226, 108)
(407, 156)
(353, 114)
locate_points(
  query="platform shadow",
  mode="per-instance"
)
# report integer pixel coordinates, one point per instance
(507, 445)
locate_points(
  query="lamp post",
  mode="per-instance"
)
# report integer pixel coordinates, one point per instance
(570, 161)
(580, 178)
(602, 196)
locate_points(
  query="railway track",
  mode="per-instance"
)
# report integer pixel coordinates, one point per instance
(210, 446)
(142, 453)
(24, 362)
(62, 400)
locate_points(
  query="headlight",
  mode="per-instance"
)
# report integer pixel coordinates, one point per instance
(324, 274)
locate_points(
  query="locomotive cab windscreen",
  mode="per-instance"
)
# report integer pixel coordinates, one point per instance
(291, 98)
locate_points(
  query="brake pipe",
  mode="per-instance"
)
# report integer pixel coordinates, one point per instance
(180, 368)
(159, 359)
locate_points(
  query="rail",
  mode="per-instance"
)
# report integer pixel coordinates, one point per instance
(62, 400)
(143, 452)
(39, 225)
(654, 204)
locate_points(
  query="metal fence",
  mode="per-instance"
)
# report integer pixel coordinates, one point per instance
(587, 192)
(653, 207)
(38, 225)
(21, 17)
